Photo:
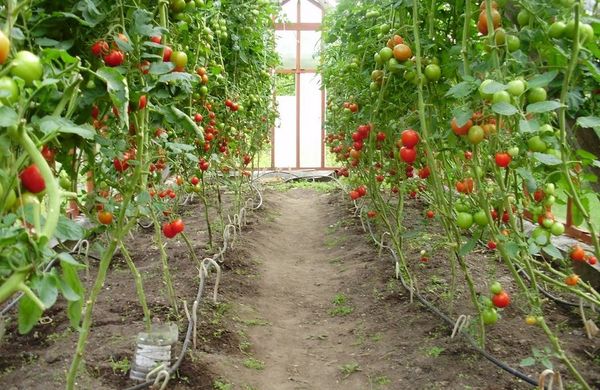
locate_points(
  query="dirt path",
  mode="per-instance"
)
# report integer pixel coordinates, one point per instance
(327, 314)
(302, 347)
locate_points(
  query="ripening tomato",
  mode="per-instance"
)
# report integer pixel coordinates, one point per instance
(475, 135)
(461, 130)
(410, 138)
(503, 159)
(179, 59)
(577, 253)
(572, 280)
(482, 24)
(402, 52)
(4, 47)
(430, 214)
(501, 300)
(105, 217)
(32, 179)
(371, 213)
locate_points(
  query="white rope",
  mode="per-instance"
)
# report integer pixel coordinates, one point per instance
(461, 322)
(548, 373)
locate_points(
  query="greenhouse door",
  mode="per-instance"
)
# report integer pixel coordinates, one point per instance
(298, 135)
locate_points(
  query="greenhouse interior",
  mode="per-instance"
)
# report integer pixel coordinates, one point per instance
(299, 194)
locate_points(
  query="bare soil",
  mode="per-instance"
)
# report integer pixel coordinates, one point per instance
(305, 303)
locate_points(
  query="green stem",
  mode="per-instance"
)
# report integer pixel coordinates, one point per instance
(464, 48)
(139, 285)
(171, 297)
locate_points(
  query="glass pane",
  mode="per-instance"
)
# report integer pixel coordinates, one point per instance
(285, 133)
(310, 120)
(310, 13)
(286, 47)
(309, 47)
(289, 11)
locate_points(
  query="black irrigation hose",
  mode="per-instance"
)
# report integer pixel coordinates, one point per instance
(452, 323)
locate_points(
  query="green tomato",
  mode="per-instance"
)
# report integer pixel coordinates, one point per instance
(489, 316)
(557, 229)
(177, 5)
(500, 36)
(191, 6)
(384, 28)
(513, 43)
(516, 87)
(485, 96)
(394, 66)
(378, 59)
(513, 151)
(550, 199)
(27, 66)
(433, 72)
(476, 134)
(481, 218)
(586, 32)
(523, 17)
(11, 199)
(546, 129)
(549, 189)
(486, 301)
(64, 182)
(464, 220)
(557, 30)
(385, 54)
(501, 97)
(9, 91)
(536, 95)
(536, 144)
(461, 207)
(496, 288)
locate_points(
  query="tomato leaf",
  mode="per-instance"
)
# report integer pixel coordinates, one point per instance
(512, 249)
(462, 115)
(493, 87)
(47, 290)
(468, 246)
(527, 362)
(552, 251)
(29, 314)
(8, 117)
(142, 22)
(461, 90)
(504, 108)
(117, 88)
(73, 291)
(542, 80)
(531, 126)
(588, 121)
(539, 107)
(160, 68)
(52, 124)
(528, 177)
(66, 258)
(68, 230)
(547, 159)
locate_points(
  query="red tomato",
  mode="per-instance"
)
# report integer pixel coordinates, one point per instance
(168, 230)
(198, 118)
(100, 48)
(119, 165)
(142, 102)
(156, 39)
(32, 179)
(503, 159)
(48, 153)
(371, 213)
(354, 195)
(362, 190)
(194, 180)
(424, 172)
(410, 138)
(167, 51)
(177, 225)
(114, 58)
(408, 155)
(501, 300)
(380, 136)
(491, 245)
